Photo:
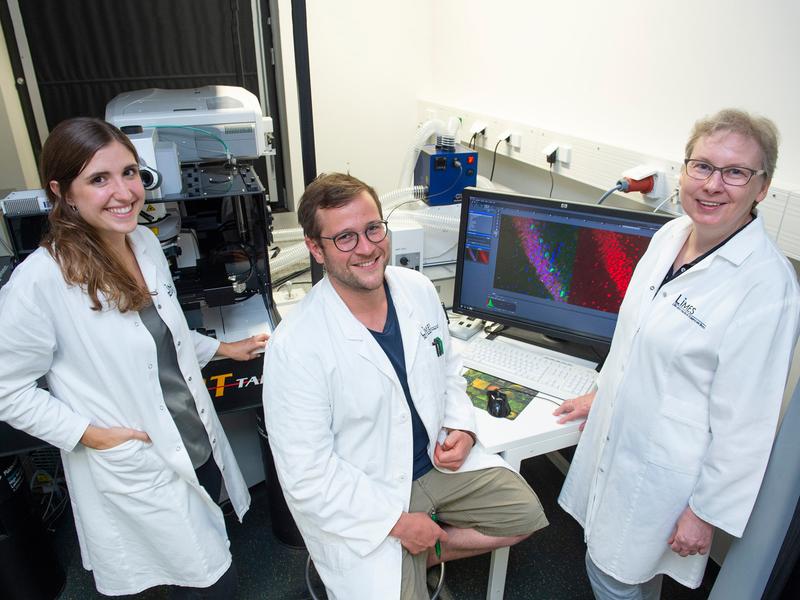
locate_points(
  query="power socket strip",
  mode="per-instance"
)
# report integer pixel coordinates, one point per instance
(464, 328)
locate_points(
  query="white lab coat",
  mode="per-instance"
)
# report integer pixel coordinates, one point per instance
(141, 516)
(687, 403)
(340, 427)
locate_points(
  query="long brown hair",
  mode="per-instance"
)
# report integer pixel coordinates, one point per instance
(84, 258)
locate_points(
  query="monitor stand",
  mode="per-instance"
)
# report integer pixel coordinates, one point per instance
(595, 353)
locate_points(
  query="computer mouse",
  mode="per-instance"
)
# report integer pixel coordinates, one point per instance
(497, 404)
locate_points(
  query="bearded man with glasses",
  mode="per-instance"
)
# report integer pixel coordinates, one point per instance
(368, 418)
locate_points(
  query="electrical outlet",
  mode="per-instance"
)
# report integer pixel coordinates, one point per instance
(551, 152)
(565, 155)
(640, 172)
(660, 189)
(515, 139)
(478, 128)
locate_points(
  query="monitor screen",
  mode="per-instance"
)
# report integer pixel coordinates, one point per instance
(548, 266)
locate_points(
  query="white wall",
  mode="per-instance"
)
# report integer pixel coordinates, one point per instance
(369, 62)
(627, 73)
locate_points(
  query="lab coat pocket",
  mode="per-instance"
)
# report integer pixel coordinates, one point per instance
(335, 556)
(129, 468)
(645, 518)
(680, 436)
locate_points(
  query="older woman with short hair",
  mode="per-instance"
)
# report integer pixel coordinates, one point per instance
(681, 422)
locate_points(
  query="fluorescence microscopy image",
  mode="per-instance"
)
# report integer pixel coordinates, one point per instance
(603, 268)
(578, 265)
(477, 255)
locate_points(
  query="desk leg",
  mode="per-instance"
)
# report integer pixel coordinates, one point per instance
(499, 564)
(497, 574)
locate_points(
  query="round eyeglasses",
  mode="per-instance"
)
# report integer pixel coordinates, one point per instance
(348, 240)
(700, 169)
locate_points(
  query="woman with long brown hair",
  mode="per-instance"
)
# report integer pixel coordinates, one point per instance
(94, 311)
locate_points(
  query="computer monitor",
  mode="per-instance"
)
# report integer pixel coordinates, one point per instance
(548, 266)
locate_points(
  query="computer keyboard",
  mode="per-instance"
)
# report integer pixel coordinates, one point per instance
(529, 367)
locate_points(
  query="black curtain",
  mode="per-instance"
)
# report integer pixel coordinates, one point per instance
(85, 52)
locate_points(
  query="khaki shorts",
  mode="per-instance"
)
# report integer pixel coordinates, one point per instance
(496, 502)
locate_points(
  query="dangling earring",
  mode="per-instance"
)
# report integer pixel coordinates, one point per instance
(73, 207)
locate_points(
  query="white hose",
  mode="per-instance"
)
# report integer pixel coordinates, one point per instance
(287, 235)
(425, 131)
(390, 200)
(453, 125)
(427, 219)
(289, 256)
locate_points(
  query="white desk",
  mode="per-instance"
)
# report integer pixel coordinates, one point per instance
(532, 433)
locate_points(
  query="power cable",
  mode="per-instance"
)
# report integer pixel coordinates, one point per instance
(494, 158)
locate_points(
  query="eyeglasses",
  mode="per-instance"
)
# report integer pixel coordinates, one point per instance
(699, 169)
(348, 240)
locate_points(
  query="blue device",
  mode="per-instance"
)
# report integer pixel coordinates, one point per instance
(446, 171)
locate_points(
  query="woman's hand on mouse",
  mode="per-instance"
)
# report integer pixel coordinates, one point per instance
(575, 408)
(103, 438)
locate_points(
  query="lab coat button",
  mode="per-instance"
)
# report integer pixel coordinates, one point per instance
(189, 378)
(177, 448)
(149, 365)
(161, 407)
(663, 294)
(202, 411)
(652, 287)
(402, 477)
(159, 306)
(136, 323)
(213, 440)
(179, 342)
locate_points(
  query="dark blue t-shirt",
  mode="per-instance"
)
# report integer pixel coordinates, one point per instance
(392, 344)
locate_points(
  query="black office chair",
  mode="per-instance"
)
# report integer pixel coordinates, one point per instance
(310, 564)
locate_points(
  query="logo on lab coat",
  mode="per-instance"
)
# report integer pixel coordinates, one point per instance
(683, 305)
(426, 330)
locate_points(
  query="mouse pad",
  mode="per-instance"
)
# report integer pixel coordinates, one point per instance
(518, 395)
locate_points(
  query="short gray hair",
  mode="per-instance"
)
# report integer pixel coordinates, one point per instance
(760, 129)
